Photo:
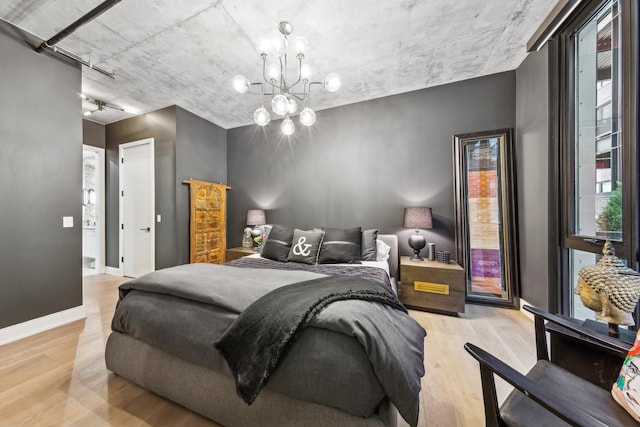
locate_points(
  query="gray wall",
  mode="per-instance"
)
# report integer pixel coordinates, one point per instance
(186, 146)
(361, 164)
(40, 182)
(160, 125)
(532, 139)
(93, 134)
(201, 153)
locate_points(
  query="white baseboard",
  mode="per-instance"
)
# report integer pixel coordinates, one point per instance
(525, 312)
(41, 324)
(113, 270)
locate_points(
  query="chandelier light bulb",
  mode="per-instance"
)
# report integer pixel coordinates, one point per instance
(277, 46)
(264, 45)
(241, 83)
(300, 44)
(305, 72)
(280, 104)
(273, 72)
(287, 127)
(261, 116)
(293, 106)
(307, 116)
(332, 82)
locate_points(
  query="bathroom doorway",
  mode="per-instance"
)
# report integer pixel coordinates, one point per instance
(93, 261)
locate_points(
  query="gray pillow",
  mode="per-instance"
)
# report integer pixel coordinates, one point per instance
(369, 246)
(341, 246)
(278, 243)
(305, 246)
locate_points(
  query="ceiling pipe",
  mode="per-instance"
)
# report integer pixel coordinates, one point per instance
(76, 58)
(96, 11)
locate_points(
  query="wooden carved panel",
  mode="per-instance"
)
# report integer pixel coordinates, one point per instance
(208, 221)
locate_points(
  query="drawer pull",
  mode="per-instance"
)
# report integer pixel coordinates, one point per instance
(434, 288)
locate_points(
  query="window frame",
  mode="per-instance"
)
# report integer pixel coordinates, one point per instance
(562, 147)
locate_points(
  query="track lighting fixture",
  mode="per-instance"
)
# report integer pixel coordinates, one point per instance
(101, 105)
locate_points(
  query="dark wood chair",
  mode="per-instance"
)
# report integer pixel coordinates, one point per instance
(549, 395)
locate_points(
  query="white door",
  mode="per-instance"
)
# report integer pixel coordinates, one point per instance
(137, 200)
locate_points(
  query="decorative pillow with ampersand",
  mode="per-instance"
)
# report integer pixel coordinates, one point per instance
(305, 246)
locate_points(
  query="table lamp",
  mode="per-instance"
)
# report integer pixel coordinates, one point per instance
(256, 217)
(417, 218)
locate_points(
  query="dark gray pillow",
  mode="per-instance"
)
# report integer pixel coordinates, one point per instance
(278, 243)
(341, 246)
(305, 246)
(369, 245)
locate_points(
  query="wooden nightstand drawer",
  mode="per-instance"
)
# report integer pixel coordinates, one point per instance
(430, 285)
(239, 252)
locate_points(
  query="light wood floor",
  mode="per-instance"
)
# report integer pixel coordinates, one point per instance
(59, 377)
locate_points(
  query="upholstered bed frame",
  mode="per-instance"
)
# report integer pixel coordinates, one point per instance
(213, 395)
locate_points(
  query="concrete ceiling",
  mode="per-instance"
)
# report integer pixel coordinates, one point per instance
(186, 53)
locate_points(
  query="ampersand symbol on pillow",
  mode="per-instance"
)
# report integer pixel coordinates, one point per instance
(301, 248)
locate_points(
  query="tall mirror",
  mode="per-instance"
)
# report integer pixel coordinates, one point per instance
(485, 209)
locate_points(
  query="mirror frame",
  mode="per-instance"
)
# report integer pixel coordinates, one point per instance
(493, 243)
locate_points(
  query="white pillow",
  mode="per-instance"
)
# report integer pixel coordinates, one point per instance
(266, 229)
(382, 250)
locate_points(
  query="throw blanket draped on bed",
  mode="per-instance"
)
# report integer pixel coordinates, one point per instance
(258, 339)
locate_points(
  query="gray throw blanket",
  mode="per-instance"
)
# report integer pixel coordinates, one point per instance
(260, 337)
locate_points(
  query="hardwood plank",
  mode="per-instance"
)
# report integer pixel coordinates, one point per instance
(451, 389)
(59, 377)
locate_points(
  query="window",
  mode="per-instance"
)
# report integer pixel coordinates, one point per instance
(596, 104)
(596, 150)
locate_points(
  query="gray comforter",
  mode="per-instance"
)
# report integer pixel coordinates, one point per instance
(370, 273)
(392, 341)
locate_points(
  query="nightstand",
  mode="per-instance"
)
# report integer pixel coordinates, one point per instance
(431, 285)
(239, 252)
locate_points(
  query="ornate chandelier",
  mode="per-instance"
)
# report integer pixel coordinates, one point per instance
(284, 93)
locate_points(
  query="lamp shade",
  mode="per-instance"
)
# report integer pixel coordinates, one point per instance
(256, 217)
(417, 218)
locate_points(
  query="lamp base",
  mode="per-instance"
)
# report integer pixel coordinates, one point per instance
(416, 256)
(417, 243)
(255, 232)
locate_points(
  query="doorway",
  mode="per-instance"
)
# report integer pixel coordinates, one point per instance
(137, 208)
(93, 228)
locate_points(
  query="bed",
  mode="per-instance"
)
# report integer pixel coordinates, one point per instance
(334, 373)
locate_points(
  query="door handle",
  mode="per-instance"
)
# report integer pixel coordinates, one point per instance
(146, 229)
